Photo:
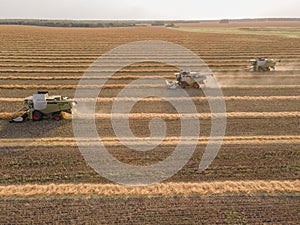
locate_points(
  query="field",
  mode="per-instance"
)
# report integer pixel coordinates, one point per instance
(254, 178)
(282, 29)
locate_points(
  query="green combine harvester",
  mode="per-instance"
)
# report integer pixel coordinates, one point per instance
(41, 106)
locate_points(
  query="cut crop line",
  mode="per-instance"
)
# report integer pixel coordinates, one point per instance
(230, 115)
(89, 61)
(129, 77)
(84, 70)
(153, 99)
(132, 55)
(226, 98)
(163, 189)
(133, 77)
(168, 141)
(120, 86)
(86, 65)
(81, 71)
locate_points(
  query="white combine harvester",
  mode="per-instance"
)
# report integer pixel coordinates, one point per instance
(186, 78)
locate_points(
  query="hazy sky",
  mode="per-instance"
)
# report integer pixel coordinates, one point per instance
(148, 9)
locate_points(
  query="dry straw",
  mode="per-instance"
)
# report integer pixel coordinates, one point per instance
(121, 86)
(165, 189)
(167, 116)
(168, 141)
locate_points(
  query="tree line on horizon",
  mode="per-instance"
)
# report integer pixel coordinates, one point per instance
(124, 23)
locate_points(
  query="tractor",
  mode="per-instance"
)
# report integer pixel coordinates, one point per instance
(262, 64)
(41, 105)
(185, 78)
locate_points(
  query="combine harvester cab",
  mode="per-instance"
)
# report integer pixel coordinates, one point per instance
(41, 105)
(262, 65)
(188, 79)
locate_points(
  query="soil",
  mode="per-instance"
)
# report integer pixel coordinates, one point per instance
(61, 52)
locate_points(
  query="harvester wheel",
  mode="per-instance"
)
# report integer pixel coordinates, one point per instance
(196, 85)
(57, 116)
(183, 85)
(37, 116)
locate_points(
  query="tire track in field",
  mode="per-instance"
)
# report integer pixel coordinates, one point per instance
(168, 141)
(163, 189)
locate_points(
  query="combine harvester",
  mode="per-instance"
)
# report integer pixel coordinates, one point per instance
(41, 105)
(262, 65)
(188, 79)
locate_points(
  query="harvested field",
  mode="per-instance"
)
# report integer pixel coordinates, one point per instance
(247, 209)
(253, 180)
(236, 161)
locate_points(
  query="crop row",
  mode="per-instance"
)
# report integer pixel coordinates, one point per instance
(80, 65)
(84, 60)
(133, 77)
(165, 189)
(84, 55)
(168, 116)
(153, 99)
(167, 141)
(134, 86)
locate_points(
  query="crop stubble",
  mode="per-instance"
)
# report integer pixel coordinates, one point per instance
(37, 53)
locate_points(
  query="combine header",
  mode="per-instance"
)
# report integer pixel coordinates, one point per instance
(41, 105)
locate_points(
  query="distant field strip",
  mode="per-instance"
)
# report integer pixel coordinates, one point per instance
(283, 32)
(118, 86)
(7, 115)
(168, 141)
(152, 99)
(164, 189)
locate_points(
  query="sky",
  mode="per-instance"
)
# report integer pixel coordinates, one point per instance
(148, 9)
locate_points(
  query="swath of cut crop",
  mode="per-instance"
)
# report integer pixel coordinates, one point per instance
(118, 86)
(168, 141)
(164, 189)
(131, 77)
(157, 99)
(6, 115)
(84, 70)
(127, 77)
(86, 65)
(198, 115)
